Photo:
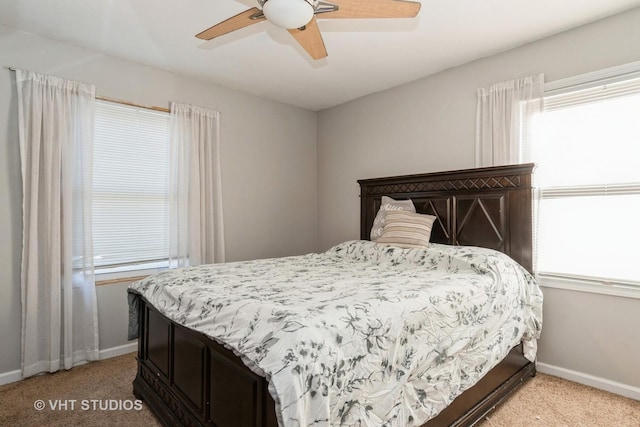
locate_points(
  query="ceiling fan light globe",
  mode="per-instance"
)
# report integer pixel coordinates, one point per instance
(288, 14)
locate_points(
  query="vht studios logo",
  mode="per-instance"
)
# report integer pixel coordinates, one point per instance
(88, 405)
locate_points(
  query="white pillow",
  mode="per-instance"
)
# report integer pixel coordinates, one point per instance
(388, 204)
(407, 229)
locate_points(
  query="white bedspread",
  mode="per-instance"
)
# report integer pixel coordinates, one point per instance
(363, 334)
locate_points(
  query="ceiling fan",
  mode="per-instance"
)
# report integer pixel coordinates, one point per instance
(299, 17)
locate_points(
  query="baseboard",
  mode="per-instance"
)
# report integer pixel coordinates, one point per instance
(590, 380)
(119, 350)
(13, 376)
(10, 377)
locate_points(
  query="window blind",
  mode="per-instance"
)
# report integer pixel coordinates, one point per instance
(130, 185)
(593, 91)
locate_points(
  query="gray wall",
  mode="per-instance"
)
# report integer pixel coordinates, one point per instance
(268, 154)
(429, 125)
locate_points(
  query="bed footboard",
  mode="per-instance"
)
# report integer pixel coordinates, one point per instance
(187, 379)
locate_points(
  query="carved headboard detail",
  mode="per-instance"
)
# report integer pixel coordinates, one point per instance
(488, 207)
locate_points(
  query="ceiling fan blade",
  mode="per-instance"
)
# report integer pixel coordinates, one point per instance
(373, 9)
(236, 22)
(310, 39)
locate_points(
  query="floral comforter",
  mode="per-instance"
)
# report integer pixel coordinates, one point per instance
(363, 334)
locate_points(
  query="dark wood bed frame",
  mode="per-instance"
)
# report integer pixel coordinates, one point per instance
(188, 379)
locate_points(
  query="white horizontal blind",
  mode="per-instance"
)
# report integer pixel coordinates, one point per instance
(587, 148)
(590, 190)
(130, 184)
(592, 92)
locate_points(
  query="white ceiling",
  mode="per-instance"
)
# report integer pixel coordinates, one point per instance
(365, 56)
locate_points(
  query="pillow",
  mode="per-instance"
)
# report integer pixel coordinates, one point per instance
(407, 229)
(388, 204)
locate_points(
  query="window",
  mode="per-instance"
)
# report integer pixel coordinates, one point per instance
(130, 188)
(586, 144)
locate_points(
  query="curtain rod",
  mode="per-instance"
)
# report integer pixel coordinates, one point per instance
(120, 101)
(133, 104)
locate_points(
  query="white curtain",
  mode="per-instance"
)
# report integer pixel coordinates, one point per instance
(196, 228)
(503, 113)
(59, 313)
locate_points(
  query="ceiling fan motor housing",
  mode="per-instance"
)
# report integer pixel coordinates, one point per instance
(289, 14)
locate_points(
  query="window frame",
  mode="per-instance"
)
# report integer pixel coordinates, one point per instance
(597, 285)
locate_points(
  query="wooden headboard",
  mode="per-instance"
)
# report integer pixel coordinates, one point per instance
(487, 207)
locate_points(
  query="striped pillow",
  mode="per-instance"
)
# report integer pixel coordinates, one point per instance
(407, 229)
(388, 204)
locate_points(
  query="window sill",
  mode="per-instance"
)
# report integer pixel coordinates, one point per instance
(594, 287)
(112, 276)
(102, 282)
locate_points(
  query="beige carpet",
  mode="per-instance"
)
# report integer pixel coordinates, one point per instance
(101, 381)
(543, 401)
(549, 401)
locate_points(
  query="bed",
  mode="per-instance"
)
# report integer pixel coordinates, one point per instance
(188, 378)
